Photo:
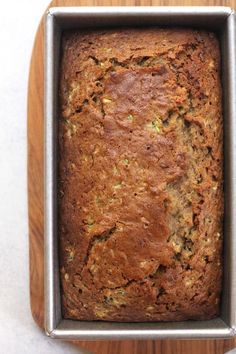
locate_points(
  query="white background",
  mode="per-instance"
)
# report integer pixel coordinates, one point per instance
(18, 333)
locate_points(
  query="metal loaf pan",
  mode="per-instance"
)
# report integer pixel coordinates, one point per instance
(218, 19)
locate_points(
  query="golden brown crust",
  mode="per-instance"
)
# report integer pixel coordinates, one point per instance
(140, 187)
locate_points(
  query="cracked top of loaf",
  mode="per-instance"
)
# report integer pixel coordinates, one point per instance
(140, 175)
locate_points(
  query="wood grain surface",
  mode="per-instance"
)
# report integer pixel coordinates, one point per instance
(36, 207)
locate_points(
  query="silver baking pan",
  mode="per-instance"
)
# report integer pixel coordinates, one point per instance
(219, 19)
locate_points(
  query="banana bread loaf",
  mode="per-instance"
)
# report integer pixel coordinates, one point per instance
(140, 175)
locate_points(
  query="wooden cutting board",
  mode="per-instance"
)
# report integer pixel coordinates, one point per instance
(36, 207)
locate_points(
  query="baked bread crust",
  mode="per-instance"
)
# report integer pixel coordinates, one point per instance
(140, 175)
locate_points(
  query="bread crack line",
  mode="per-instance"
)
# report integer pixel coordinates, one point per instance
(103, 237)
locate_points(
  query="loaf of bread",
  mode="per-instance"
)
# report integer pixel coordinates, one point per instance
(140, 175)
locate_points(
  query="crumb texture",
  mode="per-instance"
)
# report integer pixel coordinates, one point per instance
(140, 175)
